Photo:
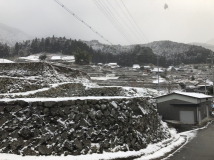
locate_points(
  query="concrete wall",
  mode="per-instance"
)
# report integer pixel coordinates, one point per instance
(203, 108)
(73, 127)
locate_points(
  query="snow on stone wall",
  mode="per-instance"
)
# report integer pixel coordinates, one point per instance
(62, 90)
(74, 127)
(48, 71)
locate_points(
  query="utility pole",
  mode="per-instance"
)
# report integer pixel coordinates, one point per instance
(158, 73)
(205, 85)
(212, 72)
(212, 68)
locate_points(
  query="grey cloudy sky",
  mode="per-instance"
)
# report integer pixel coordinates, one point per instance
(183, 21)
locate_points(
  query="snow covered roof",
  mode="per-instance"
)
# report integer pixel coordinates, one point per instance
(136, 66)
(190, 94)
(68, 58)
(56, 58)
(156, 70)
(146, 67)
(112, 64)
(195, 95)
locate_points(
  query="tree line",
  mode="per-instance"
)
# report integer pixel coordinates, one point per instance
(139, 55)
(49, 45)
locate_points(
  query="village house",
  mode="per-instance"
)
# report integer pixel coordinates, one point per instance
(184, 107)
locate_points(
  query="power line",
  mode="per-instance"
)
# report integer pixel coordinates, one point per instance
(122, 18)
(134, 20)
(136, 29)
(111, 20)
(82, 21)
(114, 19)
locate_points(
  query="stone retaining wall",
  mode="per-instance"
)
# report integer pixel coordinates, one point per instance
(71, 90)
(75, 127)
(15, 85)
(38, 69)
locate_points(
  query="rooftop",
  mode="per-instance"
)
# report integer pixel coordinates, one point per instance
(190, 94)
(195, 95)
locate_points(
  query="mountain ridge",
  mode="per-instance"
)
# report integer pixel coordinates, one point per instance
(11, 35)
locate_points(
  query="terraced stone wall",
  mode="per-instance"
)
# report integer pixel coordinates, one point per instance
(74, 127)
(38, 69)
(15, 85)
(66, 90)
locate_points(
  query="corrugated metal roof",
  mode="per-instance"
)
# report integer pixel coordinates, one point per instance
(190, 94)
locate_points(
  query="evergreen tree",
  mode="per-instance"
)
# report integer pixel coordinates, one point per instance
(82, 57)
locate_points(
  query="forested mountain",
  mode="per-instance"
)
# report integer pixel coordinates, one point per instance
(205, 45)
(168, 52)
(10, 35)
(105, 48)
(139, 55)
(177, 53)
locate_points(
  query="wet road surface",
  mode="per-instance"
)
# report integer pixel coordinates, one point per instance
(199, 148)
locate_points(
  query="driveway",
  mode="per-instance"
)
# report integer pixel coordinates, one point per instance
(199, 148)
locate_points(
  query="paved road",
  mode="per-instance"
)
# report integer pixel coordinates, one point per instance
(199, 148)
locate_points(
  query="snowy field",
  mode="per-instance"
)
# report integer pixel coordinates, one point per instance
(160, 80)
(5, 61)
(35, 58)
(103, 78)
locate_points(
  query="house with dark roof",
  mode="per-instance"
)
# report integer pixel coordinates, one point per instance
(184, 107)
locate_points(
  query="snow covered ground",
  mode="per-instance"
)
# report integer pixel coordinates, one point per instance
(34, 58)
(103, 78)
(152, 151)
(5, 61)
(160, 79)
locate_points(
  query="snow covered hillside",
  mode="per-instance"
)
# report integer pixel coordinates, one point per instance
(11, 35)
(166, 48)
(114, 49)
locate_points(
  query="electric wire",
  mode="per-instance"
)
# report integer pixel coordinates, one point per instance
(57, 1)
(135, 21)
(112, 21)
(134, 26)
(122, 19)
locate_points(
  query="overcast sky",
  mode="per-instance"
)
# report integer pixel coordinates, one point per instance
(183, 21)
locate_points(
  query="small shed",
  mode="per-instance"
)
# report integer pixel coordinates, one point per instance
(185, 107)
